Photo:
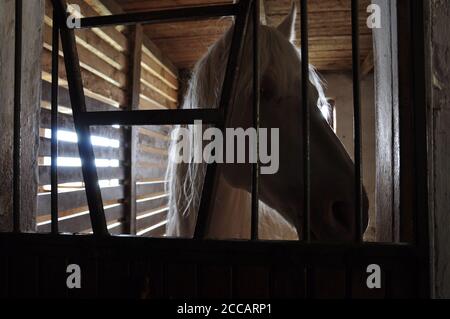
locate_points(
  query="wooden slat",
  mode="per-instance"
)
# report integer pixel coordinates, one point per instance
(153, 140)
(144, 190)
(155, 83)
(110, 34)
(92, 105)
(94, 43)
(108, 7)
(91, 81)
(89, 61)
(157, 132)
(159, 71)
(155, 201)
(159, 100)
(154, 163)
(83, 222)
(73, 174)
(156, 232)
(155, 53)
(71, 200)
(151, 220)
(67, 149)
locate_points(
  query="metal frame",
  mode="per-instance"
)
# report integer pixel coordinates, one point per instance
(83, 119)
(218, 117)
(419, 250)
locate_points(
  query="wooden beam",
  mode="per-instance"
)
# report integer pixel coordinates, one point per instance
(7, 113)
(134, 87)
(30, 74)
(387, 128)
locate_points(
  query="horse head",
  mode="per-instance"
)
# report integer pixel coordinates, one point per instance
(332, 170)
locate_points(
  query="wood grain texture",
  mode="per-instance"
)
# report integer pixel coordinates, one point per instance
(440, 143)
(329, 22)
(387, 126)
(33, 13)
(7, 22)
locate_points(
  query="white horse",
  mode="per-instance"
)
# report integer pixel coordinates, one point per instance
(332, 170)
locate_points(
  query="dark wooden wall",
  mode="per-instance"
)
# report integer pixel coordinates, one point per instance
(35, 266)
(28, 78)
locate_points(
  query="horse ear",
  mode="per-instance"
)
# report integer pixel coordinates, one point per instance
(287, 27)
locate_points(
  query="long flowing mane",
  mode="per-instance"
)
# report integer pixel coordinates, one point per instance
(184, 181)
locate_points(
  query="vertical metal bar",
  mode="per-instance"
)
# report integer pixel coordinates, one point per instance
(78, 102)
(357, 121)
(256, 111)
(240, 30)
(419, 11)
(17, 111)
(306, 230)
(54, 125)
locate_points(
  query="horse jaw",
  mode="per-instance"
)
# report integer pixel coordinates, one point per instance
(287, 27)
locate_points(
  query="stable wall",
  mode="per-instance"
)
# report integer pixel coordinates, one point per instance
(438, 36)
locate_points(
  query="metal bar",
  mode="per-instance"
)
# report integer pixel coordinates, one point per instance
(306, 230)
(256, 114)
(171, 15)
(54, 125)
(357, 121)
(421, 153)
(230, 79)
(17, 121)
(152, 117)
(77, 99)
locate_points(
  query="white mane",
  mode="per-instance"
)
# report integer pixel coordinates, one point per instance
(185, 180)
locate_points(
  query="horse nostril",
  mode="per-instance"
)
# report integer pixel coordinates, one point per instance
(340, 213)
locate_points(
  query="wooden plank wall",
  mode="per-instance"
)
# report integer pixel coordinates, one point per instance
(29, 84)
(35, 266)
(105, 64)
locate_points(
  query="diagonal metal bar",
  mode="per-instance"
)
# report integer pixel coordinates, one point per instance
(171, 15)
(77, 99)
(237, 44)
